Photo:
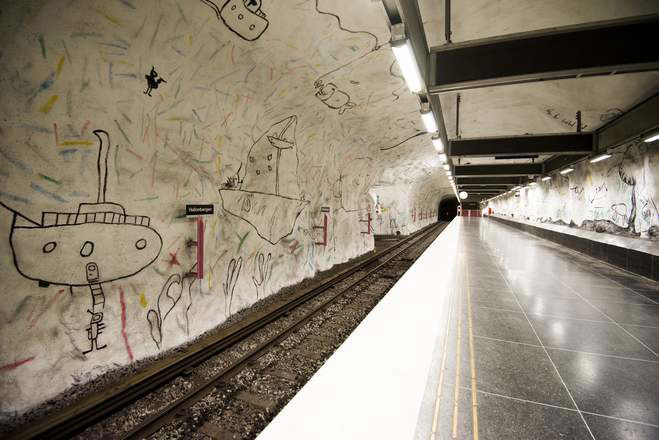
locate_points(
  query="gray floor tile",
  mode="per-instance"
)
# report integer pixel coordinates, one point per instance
(610, 386)
(604, 428)
(594, 337)
(613, 294)
(518, 371)
(500, 324)
(647, 335)
(630, 313)
(562, 307)
(555, 290)
(500, 418)
(498, 303)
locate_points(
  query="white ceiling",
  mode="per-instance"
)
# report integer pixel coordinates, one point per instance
(473, 19)
(538, 107)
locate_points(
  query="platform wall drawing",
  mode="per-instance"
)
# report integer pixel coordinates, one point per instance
(616, 196)
(279, 118)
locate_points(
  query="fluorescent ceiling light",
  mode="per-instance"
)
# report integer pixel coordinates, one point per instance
(546, 178)
(651, 138)
(600, 158)
(447, 167)
(428, 118)
(450, 178)
(404, 54)
(442, 157)
(567, 171)
(532, 184)
(438, 144)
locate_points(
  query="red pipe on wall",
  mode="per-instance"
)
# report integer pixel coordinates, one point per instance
(200, 248)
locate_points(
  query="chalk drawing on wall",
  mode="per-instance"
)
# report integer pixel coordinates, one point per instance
(258, 197)
(263, 271)
(152, 81)
(170, 295)
(96, 244)
(229, 285)
(328, 92)
(243, 17)
(332, 97)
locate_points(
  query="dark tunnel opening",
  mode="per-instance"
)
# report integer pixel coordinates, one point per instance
(448, 209)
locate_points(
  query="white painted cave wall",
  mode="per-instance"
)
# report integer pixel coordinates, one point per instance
(72, 66)
(406, 208)
(595, 192)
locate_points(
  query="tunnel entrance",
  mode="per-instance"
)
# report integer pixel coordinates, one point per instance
(448, 209)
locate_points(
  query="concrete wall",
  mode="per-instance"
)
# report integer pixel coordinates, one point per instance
(114, 115)
(617, 195)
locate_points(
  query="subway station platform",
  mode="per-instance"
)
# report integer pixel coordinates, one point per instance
(493, 334)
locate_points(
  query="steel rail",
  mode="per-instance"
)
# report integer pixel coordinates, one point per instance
(165, 416)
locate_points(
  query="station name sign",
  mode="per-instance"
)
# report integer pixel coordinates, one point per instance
(199, 209)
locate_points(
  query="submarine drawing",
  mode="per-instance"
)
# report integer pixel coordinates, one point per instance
(94, 245)
(243, 17)
(257, 197)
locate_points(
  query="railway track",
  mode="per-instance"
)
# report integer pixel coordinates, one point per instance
(234, 386)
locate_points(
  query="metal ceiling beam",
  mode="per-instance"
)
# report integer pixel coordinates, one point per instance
(559, 162)
(474, 180)
(483, 188)
(526, 169)
(601, 48)
(639, 120)
(568, 143)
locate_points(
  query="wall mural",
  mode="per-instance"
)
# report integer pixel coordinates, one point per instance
(271, 113)
(256, 197)
(242, 17)
(152, 81)
(616, 196)
(77, 249)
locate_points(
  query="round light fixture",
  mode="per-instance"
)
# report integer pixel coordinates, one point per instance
(463, 195)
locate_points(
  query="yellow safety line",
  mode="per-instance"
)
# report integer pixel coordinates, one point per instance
(472, 363)
(441, 375)
(457, 368)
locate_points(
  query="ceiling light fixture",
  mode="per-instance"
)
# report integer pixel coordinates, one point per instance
(404, 54)
(651, 138)
(438, 144)
(443, 157)
(567, 171)
(546, 178)
(447, 167)
(600, 158)
(428, 118)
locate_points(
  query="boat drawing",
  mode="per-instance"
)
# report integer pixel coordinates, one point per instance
(257, 197)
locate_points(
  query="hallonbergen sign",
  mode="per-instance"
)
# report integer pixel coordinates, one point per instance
(198, 209)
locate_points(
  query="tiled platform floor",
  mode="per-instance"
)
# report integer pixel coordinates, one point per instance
(550, 344)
